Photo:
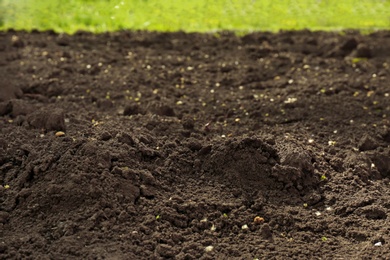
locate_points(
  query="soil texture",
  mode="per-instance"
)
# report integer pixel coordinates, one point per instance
(144, 145)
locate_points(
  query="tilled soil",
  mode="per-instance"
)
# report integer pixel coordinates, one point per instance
(142, 145)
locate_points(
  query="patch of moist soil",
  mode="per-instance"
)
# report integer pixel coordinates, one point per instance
(141, 145)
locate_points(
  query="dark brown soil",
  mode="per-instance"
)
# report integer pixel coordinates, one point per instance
(172, 144)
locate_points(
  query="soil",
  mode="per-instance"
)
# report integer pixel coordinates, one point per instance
(144, 145)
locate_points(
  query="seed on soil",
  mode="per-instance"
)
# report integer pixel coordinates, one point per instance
(60, 134)
(213, 227)
(244, 227)
(290, 100)
(95, 123)
(6, 186)
(203, 220)
(258, 220)
(209, 248)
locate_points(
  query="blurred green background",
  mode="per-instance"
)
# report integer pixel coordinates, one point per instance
(196, 15)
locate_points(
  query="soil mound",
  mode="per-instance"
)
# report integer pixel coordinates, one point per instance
(252, 163)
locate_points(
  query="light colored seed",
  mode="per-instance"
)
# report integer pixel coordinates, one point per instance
(213, 228)
(258, 220)
(209, 248)
(60, 134)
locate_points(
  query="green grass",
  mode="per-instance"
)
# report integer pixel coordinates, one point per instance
(193, 15)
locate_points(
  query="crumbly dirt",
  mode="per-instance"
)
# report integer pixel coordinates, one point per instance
(142, 145)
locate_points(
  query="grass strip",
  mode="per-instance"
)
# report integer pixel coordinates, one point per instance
(200, 15)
